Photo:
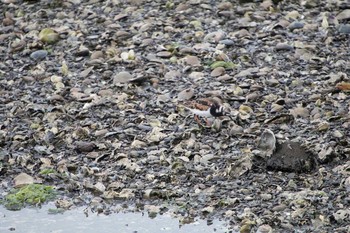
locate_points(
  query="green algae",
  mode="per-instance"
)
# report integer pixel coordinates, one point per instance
(32, 194)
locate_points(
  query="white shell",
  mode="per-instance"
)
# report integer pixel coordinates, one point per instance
(267, 142)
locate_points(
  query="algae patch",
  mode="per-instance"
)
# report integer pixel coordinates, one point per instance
(31, 194)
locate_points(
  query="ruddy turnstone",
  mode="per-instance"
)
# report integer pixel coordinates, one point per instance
(206, 108)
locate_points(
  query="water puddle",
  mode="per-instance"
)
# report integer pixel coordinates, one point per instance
(34, 220)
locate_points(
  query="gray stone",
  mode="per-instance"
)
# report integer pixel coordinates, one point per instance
(38, 55)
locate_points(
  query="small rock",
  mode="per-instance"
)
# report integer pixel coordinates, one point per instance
(225, 6)
(102, 132)
(122, 77)
(49, 36)
(172, 75)
(193, 61)
(96, 55)
(323, 126)
(281, 24)
(65, 204)
(224, 77)
(237, 91)
(296, 25)
(344, 15)
(164, 54)
(138, 144)
(276, 108)
(344, 28)
(342, 215)
(82, 52)
(244, 73)
(264, 229)
(266, 4)
(227, 42)
(279, 208)
(7, 21)
(120, 16)
(300, 112)
(226, 14)
(291, 157)
(266, 196)
(214, 37)
(236, 130)
(218, 72)
(338, 134)
(38, 55)
(272, 82)
(56, 78)
(106, 92)
(325, 154)
(28, 79)
(284, 47)
(347, 184)
(99, 187)
(84, 146)
(195, 76)
(186, 94)
(23, 179)
(293, 15)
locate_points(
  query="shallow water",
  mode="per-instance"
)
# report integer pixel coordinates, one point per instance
(34, 220)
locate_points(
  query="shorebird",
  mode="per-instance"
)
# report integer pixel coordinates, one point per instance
(206, 108)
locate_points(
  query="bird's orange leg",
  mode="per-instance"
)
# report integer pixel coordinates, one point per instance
(208, 123)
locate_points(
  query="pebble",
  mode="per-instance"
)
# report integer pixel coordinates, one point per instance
(284, 47)
(338, 134)
(84, 146)
(218, 72)
(344, 15)
(323, 126)
(82, 52)
(164, 54)
(279, 208)
(296, 25)
(23, 179)
(122, 77)
(344, 28)
(266, 196)
(225, 6)
(193, 61)
(272, 82)
(227, 42)
(186, 94)
(28, 79)
(96, 55)
(227, 14)
(214, 36)
(7, 22)
(49, 36)
(56, 79)
(38, 55)
(264, 229)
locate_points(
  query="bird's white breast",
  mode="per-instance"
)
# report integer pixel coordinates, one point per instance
(202, 113)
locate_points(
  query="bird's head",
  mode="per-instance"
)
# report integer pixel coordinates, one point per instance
(217, 110)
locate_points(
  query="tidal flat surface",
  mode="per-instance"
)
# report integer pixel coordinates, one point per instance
(34, 220)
